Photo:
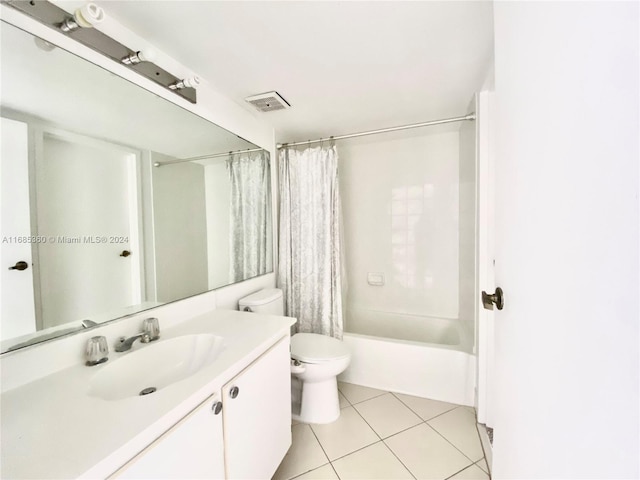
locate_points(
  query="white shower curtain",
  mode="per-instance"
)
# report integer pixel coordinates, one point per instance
(309, 266)
(249, 217)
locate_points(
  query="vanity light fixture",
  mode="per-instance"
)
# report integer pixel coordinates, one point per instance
(147, 55)
(191, 82)
(84, 17)
(78, 27)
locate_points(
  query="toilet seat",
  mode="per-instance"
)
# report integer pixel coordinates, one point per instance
(315, 348)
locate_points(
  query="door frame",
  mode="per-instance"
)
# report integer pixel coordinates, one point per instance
(485, 145)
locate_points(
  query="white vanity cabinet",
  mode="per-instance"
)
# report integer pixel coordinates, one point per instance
(257, 415)
(193, 448)
(246, 439)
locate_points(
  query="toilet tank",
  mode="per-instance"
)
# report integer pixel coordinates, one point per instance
(267, 300)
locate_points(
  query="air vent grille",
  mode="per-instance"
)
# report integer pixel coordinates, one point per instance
(268, 102)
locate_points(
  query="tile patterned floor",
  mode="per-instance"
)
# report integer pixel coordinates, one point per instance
(384, 435)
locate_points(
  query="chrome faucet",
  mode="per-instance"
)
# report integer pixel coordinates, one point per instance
(126, 344)
(150, 332)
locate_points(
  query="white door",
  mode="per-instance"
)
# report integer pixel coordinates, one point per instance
(257, 416)
(87, 208)
(18, 312)
(567, 240)
(485, 137)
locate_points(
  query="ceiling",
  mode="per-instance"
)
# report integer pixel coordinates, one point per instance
(343, 66)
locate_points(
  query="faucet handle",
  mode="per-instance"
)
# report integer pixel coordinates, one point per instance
(151, 326)
(97, 351)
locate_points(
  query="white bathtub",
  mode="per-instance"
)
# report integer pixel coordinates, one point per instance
(422, 356)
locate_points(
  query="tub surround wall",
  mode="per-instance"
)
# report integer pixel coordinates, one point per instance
(468, 293)
(218, 198)
(180, 229)
(400, 207)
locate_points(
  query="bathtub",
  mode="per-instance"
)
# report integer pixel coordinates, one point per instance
(422, 356)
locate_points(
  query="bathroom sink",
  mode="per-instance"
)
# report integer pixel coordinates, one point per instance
(154, 366)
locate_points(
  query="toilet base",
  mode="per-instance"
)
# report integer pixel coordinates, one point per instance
(319, 403)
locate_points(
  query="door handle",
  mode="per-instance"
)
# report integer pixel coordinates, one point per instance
(20, 266)
(497, 299)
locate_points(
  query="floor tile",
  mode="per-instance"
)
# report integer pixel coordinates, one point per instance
(459, 427)
(323, 473)
(343, 400)
(426, 454)
(347, 434)
(470, 473)
(373, 462)
(357, 393)
(483, 465)
(304, 455)
(387, 415)
(425, 407)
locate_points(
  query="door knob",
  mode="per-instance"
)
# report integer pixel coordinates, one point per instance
(497, 299)
(233, 393)
(216, 407)
(20, 266)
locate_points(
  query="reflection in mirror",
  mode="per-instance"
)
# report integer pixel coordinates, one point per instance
(102, 232)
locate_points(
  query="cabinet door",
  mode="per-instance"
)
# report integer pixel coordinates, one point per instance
(193, 448)
(257, 416)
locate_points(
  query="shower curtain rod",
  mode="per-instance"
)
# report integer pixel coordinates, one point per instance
(205, 157)
(471, 116)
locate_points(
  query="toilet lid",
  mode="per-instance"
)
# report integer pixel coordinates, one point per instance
(316, 348)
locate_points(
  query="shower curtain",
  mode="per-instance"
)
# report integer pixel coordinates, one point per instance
(250, 196)
(309, 266)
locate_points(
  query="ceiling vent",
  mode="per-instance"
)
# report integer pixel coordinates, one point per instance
(268, 102)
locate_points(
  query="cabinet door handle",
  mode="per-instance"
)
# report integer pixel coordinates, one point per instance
(216, 407)
(233, 393)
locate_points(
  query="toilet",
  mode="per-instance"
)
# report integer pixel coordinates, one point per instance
(316, 361)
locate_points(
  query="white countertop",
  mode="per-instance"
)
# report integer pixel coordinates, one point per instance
(51, 428)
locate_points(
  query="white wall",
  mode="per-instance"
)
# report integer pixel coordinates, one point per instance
(180, 229)
(218, 197)
(400, 207)
(567, 177)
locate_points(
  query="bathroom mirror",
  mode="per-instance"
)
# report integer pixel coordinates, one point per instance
(92, 228)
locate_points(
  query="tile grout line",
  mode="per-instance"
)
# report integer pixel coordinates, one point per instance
(334, 470)
(431, 418)
(304, 473)
(325, 454)
(480, 467)
(449, 442)
(434, 429)
(319, 443)
(366, 400)
(382, 440)
(484, 453)
(459, 471)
